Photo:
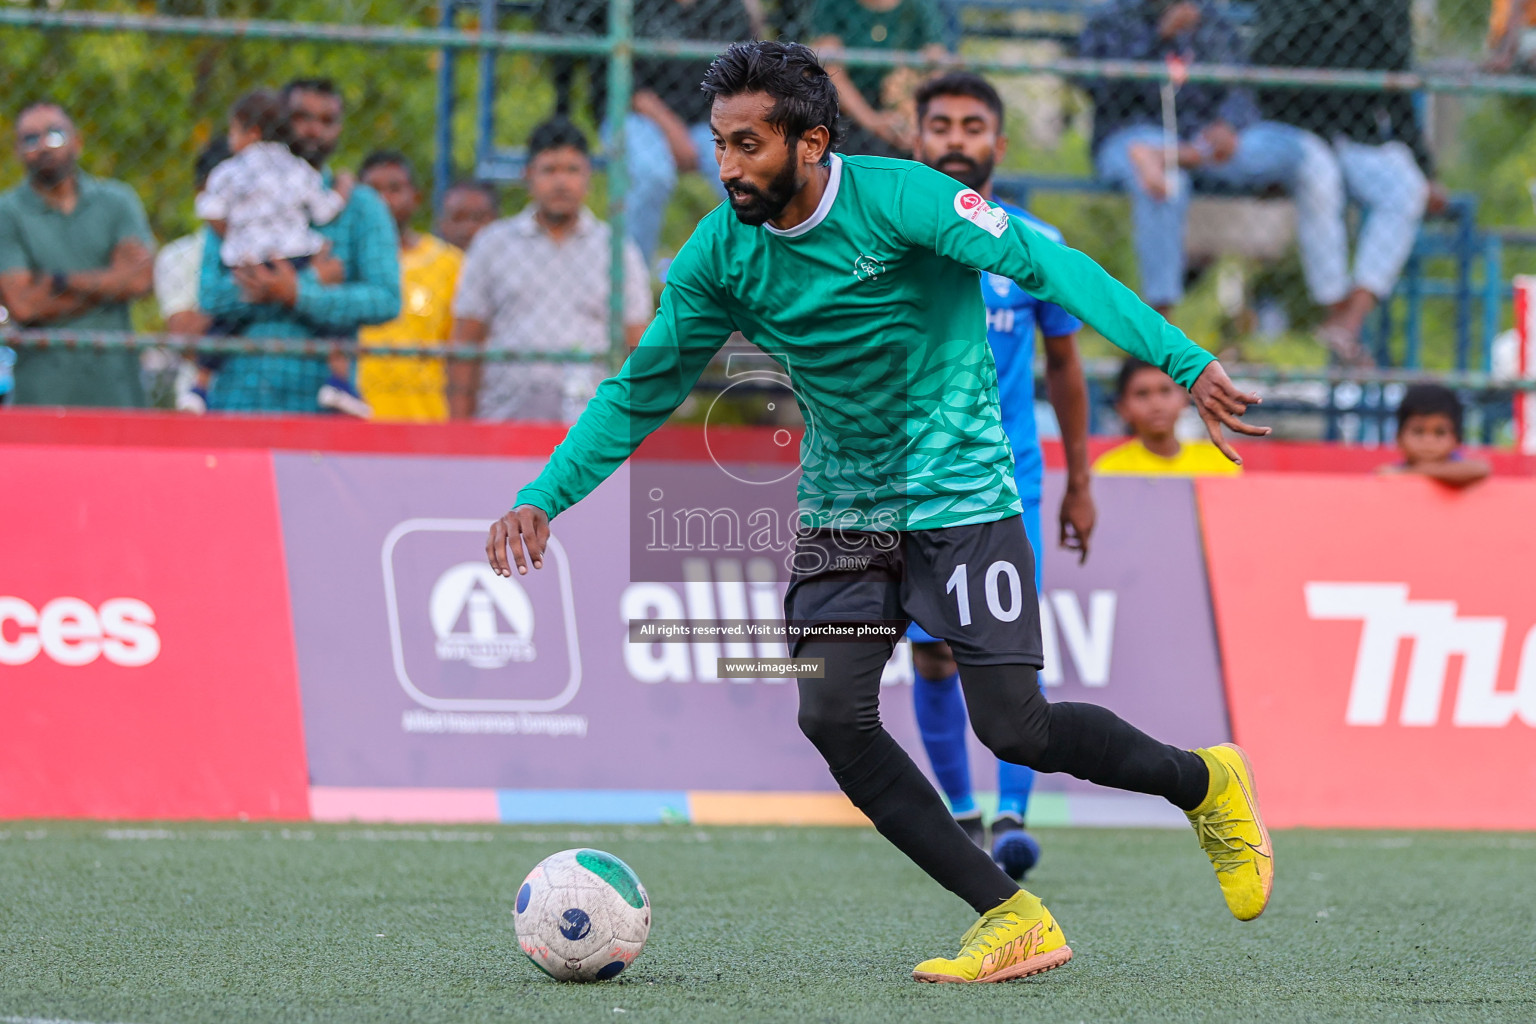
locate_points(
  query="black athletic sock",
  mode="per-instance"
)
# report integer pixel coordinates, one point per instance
(888, 787)
(1017, 723)
(1096, 744)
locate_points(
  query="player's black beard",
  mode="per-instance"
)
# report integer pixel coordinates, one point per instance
(756, 206)
(968, 172)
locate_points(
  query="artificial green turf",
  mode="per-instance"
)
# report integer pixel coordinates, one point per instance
(336, 923)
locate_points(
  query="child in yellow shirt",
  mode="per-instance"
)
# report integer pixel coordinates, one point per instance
(1149, 402)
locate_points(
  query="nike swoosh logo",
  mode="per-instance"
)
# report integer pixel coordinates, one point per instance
(1264, 849)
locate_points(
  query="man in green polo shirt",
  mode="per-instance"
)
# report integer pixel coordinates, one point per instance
(74, 251)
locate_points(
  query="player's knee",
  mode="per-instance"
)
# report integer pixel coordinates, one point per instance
(833, 732)
(1015, 739)
(1017, 729)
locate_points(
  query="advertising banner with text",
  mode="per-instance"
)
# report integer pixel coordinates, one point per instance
(146, 656)
(1379, 637)
(422, 670)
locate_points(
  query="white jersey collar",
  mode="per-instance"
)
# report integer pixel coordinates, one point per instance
(822, 208)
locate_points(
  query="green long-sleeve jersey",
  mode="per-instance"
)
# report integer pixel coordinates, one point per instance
(874, 309)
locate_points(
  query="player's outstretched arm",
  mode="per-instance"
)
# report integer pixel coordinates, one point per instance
(951, 220)
(1220, 403)
(937, 213)
(526, 526)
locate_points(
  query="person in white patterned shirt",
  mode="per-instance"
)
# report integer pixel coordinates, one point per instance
(264, 199)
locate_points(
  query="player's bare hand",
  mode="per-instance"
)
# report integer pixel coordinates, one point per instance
(1078, 518)
(1219, 404)
(525, 527)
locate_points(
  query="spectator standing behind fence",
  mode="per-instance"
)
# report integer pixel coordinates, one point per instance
(356, 282)
(1429, 437)
(667, 131)
(262, 201)
(468, 206)
(1220, 138)
(539, 283)
(1150, 403)
(74, 251)
(178, 266)
(409, 387)
(878, 116)
(1375, 138)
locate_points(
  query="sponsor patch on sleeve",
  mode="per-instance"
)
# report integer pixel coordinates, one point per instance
(972, 207)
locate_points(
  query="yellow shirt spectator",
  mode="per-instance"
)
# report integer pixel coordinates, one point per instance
(413, 387)
(1150, 403)
(1195, 458)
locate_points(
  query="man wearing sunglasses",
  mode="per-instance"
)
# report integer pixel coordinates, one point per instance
(75, 250)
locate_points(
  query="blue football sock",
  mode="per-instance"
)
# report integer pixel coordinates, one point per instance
(1014, 781)
(941, 721)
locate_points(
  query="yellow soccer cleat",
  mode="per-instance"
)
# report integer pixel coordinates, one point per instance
(1233, 835)
(1015, 940)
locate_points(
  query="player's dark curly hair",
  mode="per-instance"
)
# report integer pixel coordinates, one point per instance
(803, 94)
(1430, 400)
(959, 83)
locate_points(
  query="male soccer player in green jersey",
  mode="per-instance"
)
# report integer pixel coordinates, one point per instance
(859, 274)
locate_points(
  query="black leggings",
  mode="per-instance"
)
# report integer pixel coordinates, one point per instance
(840, 715)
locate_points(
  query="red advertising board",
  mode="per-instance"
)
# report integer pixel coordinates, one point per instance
(1379, 642)
(146, 648)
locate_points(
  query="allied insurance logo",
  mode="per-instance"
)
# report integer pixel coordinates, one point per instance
(474, 595)
(449, 617)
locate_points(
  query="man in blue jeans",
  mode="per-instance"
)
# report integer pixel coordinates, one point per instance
(1384, 163)
(1220, 137)
(960, 132)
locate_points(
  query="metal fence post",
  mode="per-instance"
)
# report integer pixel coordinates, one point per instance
(1466, 229)
(1493, 295)
(485, 114)
(442, 159)
(620, 87)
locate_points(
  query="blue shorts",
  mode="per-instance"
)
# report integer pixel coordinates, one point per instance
(918, 635)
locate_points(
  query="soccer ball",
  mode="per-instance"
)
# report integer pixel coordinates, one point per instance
(582, 915)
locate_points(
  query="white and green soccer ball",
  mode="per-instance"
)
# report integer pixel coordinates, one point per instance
(582, 915)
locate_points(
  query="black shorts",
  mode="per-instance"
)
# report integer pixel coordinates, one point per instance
(973, 585)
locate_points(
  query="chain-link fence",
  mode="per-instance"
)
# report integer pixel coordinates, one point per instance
(1298, 183)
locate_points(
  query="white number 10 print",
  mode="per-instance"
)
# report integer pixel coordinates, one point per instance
(957, 585)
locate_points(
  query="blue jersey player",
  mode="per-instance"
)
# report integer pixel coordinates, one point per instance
(960, 132)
